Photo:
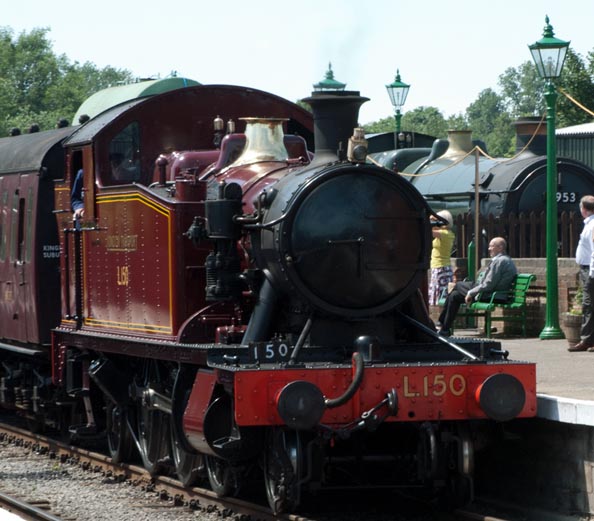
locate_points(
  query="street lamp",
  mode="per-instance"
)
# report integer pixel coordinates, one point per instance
(398, 91)
(548, 54)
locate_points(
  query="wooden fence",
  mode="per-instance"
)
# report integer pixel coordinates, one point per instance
(525, 233)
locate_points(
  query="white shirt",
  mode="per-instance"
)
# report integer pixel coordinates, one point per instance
(585, 250)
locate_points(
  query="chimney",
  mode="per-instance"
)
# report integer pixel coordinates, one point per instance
(460, 143)
(336, 114)
(528, 129)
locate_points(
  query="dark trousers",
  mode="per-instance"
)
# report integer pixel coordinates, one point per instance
(453, 302)
(587, 332)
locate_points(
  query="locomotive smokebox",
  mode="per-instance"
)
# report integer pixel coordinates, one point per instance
(335, 117)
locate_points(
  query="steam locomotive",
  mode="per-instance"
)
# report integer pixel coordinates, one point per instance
(233, 305)
(446, 173)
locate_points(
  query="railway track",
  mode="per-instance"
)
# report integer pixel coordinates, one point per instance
(24, 509)
(166, 488)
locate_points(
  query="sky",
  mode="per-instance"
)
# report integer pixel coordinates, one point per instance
(447, 50)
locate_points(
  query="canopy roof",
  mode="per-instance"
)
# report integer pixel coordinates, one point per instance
(585, 128)
(107, 98)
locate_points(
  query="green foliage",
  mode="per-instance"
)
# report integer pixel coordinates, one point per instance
(522, 91)
(383, 125)
(426, 120)
(576, 304)
(576, 80)
(457, 122)
(37, 86)
(304, 105)
(488, 119)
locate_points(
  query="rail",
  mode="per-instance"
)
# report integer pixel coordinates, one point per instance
(25, 510)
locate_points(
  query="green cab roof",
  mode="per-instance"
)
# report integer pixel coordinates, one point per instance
(112, 96)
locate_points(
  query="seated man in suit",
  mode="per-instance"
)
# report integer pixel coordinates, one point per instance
(499, 276)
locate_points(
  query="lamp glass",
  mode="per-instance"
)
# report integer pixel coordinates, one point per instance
(398, 95)
(549, 53)
(549, 61)
(398, 91)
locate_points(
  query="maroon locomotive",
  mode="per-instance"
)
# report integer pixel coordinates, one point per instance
(233, 304)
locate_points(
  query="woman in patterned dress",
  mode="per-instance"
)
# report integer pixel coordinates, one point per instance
(441, 267)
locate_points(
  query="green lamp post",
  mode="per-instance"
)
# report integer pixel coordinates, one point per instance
(398, 91)
(549, 54)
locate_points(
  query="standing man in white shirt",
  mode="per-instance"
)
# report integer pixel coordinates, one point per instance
(584, 258)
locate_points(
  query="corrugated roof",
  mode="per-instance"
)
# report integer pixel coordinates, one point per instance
(585, 128)
(107, 98)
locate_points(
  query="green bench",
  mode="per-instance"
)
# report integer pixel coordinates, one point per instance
(514, 308)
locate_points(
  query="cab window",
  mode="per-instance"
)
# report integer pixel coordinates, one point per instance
(124, 156)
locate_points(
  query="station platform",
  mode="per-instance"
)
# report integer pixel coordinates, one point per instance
(565, 381)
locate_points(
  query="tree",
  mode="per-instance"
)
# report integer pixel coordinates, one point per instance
(383, 125)
(523, 90)
(426, 120)
(576, 80)
(491, 123)
(457, 122)
(38, 86)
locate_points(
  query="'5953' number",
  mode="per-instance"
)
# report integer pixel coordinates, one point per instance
(566, 197)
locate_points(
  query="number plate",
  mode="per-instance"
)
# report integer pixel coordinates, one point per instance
(270, 352)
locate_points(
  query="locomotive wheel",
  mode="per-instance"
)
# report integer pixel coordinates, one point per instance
(188, 466)
(460, 481)
(220, 476)
(427, 452)
(283, 466)
(459, 490)
(153, 426)
(119, 441)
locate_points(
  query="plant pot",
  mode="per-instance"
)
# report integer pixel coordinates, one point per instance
(571, 325)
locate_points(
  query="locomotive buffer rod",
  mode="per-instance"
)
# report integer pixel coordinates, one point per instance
(434, 334)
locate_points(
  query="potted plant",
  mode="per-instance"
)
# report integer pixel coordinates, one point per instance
(572, 319)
